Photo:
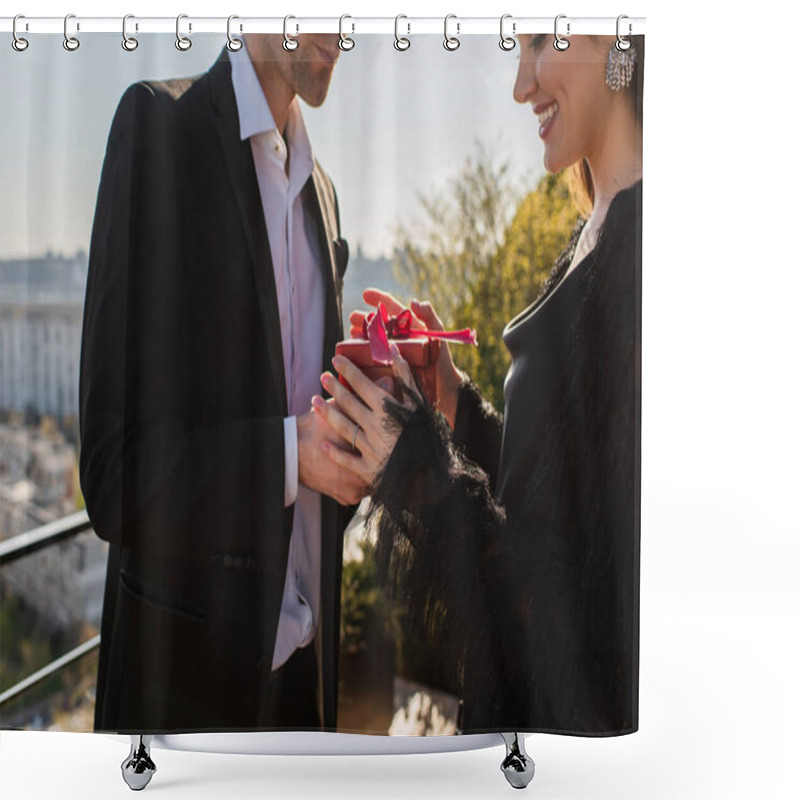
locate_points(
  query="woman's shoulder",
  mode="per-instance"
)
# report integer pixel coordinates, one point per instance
(624, 215)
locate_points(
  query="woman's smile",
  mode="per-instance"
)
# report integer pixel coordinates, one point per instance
(545, 113)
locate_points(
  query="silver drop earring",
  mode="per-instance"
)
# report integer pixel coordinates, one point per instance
(619, 69)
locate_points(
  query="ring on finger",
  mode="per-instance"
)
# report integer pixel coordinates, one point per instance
(355, 434)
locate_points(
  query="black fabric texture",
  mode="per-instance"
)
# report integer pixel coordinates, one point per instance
(478, 431)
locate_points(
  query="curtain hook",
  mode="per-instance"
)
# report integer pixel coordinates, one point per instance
(559, 42)
(507, 42)
(182, 42)
(233, 44)
(128, 42)
(289, 42)
(345, 42)
(70, 42)
(401, 43)
(623, 44)
(451, 43)
(18, 43)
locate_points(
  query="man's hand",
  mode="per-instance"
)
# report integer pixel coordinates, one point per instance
(315, 469)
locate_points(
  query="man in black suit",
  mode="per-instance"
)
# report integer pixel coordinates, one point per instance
(213, 304)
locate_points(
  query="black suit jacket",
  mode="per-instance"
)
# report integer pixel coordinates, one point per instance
(182, 407)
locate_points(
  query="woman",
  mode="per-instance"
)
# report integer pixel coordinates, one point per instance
(517, 538)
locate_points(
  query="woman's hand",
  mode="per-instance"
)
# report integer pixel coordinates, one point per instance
(448, 377)
(359, 416)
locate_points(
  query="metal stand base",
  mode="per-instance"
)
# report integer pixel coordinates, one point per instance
(138, 768)
(517, 766)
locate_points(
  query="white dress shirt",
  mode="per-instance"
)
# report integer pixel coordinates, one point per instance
(300, 287)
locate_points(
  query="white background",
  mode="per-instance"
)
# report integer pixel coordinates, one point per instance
(719, 604)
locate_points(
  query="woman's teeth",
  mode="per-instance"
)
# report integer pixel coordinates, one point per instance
(545, 115)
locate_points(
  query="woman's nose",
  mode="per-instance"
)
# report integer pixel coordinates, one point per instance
(525, 85)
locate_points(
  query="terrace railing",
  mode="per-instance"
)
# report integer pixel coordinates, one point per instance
(23, 545)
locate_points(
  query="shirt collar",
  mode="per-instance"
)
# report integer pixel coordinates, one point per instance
(255, 116)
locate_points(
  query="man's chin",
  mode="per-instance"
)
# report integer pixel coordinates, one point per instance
(314, 99)
(318, 82)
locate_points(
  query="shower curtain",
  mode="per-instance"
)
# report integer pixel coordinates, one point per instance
(321, 358)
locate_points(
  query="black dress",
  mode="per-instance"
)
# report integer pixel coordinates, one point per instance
(516, 540)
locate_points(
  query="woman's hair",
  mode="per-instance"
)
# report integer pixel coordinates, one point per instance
(579, 175)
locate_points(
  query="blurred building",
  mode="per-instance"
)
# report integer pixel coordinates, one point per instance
(41, 314)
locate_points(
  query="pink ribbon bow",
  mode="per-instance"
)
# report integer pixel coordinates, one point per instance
(379, 327)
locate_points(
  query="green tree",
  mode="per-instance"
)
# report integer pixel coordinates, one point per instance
(481, 256)
(441, 257)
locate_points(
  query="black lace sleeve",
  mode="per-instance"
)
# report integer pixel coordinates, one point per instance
(478, 431)
(436, 520)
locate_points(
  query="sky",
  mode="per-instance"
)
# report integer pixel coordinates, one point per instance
(394, 126)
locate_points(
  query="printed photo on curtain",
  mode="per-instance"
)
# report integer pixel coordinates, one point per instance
(320, 384)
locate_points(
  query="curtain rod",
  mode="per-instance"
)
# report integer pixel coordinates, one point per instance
(352, 25)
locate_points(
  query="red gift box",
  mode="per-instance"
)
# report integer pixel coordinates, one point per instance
(421, 355)
(420, 348)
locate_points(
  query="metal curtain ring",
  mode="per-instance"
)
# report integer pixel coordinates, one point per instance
(559, 42)
(507, 42)
(355, 435)
(182, 42)
(233, 44)
(70, 42)
(451, 42)
(128, 42)
(345, 42)
(18, 43)
(289, 42)
(400, 42)
(623, 44)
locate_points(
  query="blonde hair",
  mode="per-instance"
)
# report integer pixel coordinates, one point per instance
(581, 186)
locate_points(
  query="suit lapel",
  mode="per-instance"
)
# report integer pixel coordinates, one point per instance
(314, 203)
(239, 161)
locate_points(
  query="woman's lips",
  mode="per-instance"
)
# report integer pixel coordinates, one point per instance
(546, 113)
